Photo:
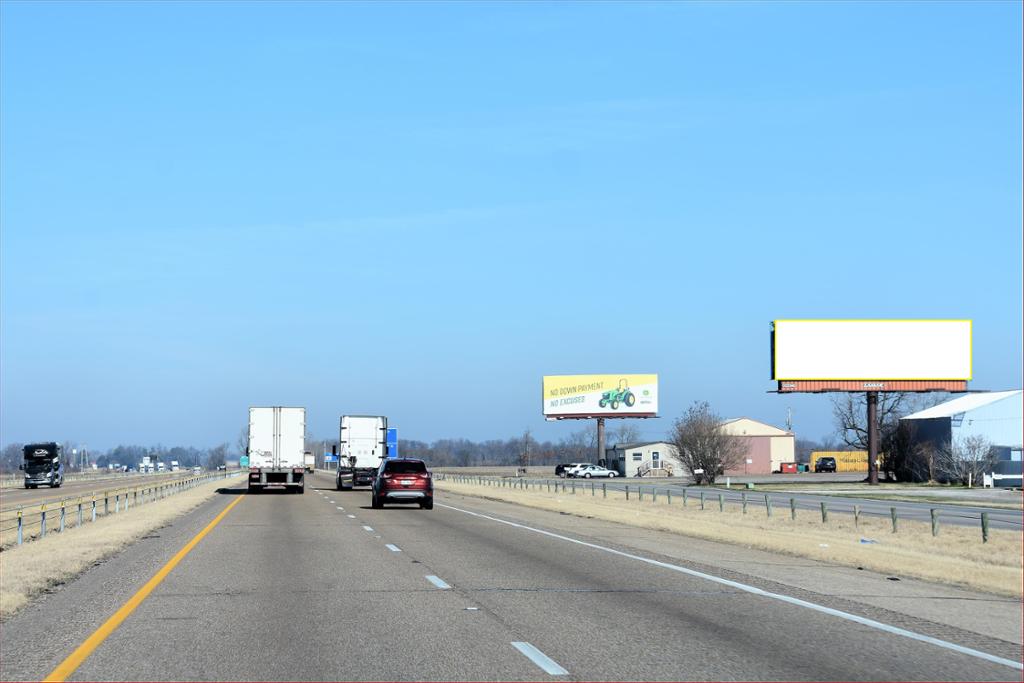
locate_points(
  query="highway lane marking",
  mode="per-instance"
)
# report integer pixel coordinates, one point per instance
(340, 508)
(367, 528)
(82, 652)
(871, 623)
(549, 665)
(437, 582)
(351, 516)
(392, 547)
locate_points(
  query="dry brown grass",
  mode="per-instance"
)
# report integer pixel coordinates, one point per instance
(31, 568)
(956, 556)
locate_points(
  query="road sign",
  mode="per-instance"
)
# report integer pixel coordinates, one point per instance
(392, 442)
(330, 458)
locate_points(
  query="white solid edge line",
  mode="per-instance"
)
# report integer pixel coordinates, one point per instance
(392, 547)
(549, 665)
(437, 582)
(871, 623)
(368, 528)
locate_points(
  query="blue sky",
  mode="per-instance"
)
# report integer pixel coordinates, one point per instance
(419, 209)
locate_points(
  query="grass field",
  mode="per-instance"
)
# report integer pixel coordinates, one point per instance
(956, 556)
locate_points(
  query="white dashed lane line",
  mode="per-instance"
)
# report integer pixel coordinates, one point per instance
(549, 665)
(392, 547)
(437, 582)
(351, 516)
(367, 528)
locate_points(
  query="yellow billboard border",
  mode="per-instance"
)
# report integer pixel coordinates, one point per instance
(970, 349)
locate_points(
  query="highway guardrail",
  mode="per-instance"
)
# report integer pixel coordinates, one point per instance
(717, 498)
(23, 523)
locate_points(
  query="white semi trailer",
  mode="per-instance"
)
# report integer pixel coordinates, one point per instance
(363, 443)
(277, 441)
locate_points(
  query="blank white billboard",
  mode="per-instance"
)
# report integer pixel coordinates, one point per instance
(872, 349)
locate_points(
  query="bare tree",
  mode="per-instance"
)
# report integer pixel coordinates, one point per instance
(850, 414)
(216, 456)
(964, 459)
(626, 433)
(243, 441)
(579, 445)
(704, 449)
(11, 457)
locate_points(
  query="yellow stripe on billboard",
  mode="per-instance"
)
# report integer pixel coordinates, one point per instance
(600, 395)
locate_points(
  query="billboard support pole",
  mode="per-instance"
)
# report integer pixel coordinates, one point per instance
(600, 439)
(872, 438)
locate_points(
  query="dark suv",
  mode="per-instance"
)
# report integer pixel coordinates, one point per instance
(825, 465)
(403, 480)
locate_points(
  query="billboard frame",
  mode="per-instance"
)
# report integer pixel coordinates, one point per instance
(858, 384)
(872, 387)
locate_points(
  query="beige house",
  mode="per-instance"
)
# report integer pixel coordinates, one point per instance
(767, 446)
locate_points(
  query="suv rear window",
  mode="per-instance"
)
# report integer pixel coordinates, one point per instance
(405, 467)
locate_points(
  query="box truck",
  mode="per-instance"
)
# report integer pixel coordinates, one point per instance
(362, 441)
(277, 441)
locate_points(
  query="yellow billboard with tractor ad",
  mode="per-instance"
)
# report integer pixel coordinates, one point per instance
(566, 396)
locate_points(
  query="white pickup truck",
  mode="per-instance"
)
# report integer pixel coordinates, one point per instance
(277, 441)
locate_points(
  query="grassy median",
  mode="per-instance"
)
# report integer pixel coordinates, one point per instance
(32, 568)
(956, 556)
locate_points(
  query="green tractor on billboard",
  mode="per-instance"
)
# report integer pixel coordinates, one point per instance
(616, 396)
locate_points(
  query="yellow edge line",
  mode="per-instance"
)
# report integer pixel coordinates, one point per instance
(75, 659)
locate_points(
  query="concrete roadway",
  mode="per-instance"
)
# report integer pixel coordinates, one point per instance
(294, 587)
(970, 515)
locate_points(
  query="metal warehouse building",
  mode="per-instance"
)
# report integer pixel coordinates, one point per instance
(997, 416)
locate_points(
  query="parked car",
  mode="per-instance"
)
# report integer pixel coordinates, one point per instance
(562, 470)
(594, 471)
(825, 465)
(402, 480)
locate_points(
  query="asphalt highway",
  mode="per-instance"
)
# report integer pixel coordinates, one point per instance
(321, 587)
(14, 496)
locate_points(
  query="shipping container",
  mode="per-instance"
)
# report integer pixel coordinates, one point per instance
(788, 468)
(846, 461)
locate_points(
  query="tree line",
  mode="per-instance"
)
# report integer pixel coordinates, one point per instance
(701, 446)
